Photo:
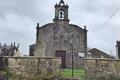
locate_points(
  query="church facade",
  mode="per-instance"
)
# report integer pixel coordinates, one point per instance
(61, 39)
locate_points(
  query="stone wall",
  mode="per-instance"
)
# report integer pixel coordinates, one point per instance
(32, 68)
(102, 69)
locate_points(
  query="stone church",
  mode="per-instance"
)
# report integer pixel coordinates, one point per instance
(61, 39)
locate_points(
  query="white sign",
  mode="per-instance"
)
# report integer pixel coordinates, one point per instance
(81, 54)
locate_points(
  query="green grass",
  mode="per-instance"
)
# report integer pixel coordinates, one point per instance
(78, 73)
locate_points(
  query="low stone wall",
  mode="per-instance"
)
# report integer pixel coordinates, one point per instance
(102, 69)
(32, 68)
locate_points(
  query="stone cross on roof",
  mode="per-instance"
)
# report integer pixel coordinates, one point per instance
(61, 2)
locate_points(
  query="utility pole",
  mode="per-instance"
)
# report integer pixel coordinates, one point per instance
(72, 59)
(85, 41)
(72, 62)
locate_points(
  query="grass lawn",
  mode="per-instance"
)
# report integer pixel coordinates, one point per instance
(78, 73)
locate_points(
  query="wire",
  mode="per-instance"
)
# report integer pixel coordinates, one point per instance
(100, 27)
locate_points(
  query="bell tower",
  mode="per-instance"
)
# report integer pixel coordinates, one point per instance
(61, 11)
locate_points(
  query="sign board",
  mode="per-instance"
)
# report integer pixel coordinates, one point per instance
(81, 54)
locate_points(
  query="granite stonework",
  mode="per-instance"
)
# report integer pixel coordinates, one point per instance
(102, 69)
(32, 68)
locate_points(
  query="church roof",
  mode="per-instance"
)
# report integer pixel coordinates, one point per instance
(96, 52)
(70, 25)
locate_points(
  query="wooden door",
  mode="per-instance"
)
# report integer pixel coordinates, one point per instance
(62, 54)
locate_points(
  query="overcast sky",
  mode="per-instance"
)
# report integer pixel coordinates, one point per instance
(18, 20)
